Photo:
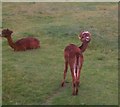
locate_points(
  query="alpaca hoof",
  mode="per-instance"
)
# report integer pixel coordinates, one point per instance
(73, 94)
(77, 92)
(62, 84)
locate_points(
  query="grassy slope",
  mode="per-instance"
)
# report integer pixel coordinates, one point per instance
(34, 77)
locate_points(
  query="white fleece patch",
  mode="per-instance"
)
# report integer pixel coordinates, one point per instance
(78, 68)
(74, 70)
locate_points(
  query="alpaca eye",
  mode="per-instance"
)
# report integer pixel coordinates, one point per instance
(82, 37)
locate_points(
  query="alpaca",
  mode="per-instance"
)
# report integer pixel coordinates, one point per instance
(73, 56)
(22, 44)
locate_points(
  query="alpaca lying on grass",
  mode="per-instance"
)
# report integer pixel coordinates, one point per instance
(22, 44)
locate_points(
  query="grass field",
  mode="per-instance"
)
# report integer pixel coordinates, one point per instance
(34, 76)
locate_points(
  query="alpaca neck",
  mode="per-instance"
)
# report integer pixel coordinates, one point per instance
(10, 42)
(84, 46)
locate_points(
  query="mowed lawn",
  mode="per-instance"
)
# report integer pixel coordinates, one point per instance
(34, 76)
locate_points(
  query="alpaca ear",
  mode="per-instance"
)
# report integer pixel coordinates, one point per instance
(0, 34)
(11, 31)
(79, 37)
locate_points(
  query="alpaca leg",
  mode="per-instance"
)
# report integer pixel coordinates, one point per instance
(73, 85)
(76, 89)
(73, 81)
(79, 70)
(65, 72)
(77, 85)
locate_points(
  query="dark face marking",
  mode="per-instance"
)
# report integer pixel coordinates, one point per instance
(6, 32)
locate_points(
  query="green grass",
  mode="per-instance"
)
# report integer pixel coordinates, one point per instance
(34, 76)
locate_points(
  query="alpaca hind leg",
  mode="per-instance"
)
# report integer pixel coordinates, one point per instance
(76, 88)
(73, 81)
(79, 70)
(65, 72)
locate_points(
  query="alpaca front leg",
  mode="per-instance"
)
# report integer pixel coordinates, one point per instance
(65, 72)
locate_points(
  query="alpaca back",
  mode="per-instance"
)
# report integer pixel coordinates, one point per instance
(27, 43)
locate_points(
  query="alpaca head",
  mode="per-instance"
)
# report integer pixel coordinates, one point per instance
(85, 36)
(6, 33)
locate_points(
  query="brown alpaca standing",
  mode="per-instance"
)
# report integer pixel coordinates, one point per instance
(22, 44)
(73, 56)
